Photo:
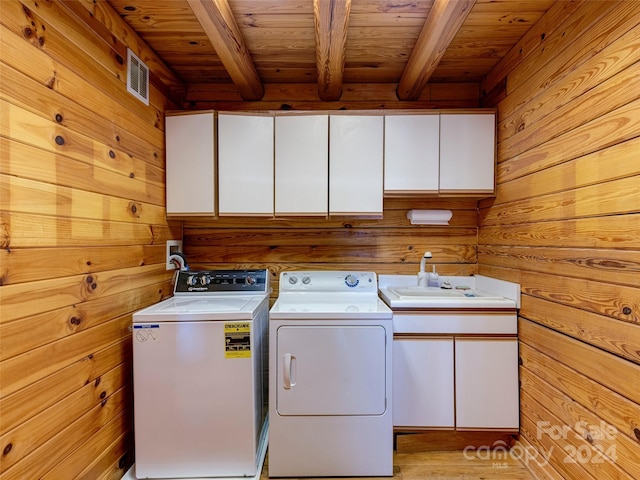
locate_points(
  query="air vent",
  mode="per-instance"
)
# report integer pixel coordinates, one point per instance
(137, 77)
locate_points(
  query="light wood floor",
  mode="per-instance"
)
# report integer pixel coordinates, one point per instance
(453, 465)
(458, 465)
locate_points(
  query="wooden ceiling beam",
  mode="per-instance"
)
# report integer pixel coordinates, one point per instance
(331, 25)
(220, 26)
(444, 20)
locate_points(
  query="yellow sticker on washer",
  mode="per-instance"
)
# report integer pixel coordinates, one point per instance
(237, 340)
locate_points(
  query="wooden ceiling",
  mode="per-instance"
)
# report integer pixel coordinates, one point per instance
(330, 43)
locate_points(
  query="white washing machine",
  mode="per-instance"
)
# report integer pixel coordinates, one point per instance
(199, 377)
(330, 351)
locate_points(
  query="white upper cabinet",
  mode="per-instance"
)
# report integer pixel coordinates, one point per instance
(467, 153)
(190, 154)
(356, 164)
(245, 164)
(411, 154)
(302, 164)
(315, 163)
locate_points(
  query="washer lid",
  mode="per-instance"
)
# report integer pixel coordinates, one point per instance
(201, 308)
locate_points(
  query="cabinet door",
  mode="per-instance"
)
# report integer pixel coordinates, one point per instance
(302, 165)
(356, 164)
(487, 393)
(411, 154)
(467, 153)
(190, 178)
(423, 382)
(245, 164)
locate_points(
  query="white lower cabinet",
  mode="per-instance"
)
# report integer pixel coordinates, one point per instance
(487, 391)
(455, 370)
(423, 382)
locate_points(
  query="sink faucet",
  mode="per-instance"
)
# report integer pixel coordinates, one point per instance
(427, 278)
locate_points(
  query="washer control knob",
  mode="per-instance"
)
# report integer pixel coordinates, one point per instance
(351, 280)
(204, 280)
(250, 280)
(306, 280)
(192, 280)
(293, 280)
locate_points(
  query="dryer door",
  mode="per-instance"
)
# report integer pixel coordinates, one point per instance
(331, 370)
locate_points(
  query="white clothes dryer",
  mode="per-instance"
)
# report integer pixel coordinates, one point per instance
(330, 353)
(199, 377)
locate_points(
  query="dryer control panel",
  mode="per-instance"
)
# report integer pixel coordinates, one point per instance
(329, 282)
(217, 281)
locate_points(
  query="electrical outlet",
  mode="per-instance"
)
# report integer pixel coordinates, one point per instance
(173, 246)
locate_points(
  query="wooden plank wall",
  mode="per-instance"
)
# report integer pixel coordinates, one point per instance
(566, 225)
(83, 232)
(296, 96)
(388, 245)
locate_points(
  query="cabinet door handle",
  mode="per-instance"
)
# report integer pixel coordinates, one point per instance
(288, 370)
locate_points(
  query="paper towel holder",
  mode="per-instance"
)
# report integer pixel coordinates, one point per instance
(429, 217)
